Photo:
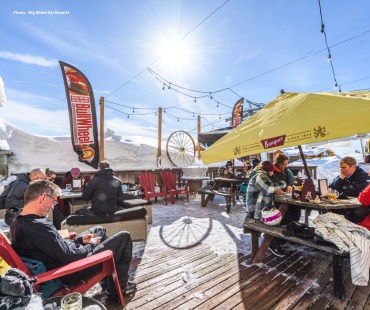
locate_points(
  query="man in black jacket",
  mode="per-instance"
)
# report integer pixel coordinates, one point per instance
(15, 197)
(34, 237)
(352, 179)
(103, 190)
(351, 182)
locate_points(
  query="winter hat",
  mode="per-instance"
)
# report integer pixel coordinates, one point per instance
(229, 163)
(75, 172)
(268, 166)
(255, 161)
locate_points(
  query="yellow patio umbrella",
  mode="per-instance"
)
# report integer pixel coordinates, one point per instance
(293, 119)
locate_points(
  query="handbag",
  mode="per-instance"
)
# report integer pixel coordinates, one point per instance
(11, 214)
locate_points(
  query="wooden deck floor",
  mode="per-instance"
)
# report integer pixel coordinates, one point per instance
(197, 278)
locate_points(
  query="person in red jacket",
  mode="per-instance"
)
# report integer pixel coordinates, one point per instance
(364, 199)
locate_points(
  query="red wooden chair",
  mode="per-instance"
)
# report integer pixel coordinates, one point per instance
(105, 258)
(147, 181)
(169, 180)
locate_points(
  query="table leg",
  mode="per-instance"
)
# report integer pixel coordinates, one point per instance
(263, 249)
(228, 204)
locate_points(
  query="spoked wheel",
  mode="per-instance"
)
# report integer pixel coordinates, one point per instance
(180, 149)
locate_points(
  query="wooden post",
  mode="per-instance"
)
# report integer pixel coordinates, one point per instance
(101, 148)
(198, 146)
(159, 150)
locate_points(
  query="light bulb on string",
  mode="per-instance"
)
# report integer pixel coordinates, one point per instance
(133, 110)
(329, 58)
(128, 116)
(210, 95)
(178, 120)
(220, 116)
(169, 87)
(193, 114)
(217, 104)
(195, 99)
(163, 87)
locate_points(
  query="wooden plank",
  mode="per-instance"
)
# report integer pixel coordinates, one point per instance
(242, 292)
(307, 262)
(323, 281)
(179, 295)
(359, 299)
(305, 284)
(171, 292)
(155, 289)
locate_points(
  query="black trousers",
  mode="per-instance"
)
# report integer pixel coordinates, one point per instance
(121, 246)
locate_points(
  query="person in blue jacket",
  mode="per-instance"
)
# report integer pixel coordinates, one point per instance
(352, 179)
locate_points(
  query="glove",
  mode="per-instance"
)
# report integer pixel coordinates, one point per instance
(299, 230)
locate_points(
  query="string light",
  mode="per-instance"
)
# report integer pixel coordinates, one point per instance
(327, 47)
(195, 99)
(169, 87)
(133, 110)
(163, 87)
(210, 95)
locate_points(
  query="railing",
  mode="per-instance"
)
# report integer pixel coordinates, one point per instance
(131, 176)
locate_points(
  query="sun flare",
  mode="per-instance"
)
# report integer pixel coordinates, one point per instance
(175, 53)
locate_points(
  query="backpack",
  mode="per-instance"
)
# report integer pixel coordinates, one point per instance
(4, 194)
(15, 289)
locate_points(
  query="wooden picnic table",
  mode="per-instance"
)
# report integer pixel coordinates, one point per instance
(70, 194)
(231, 191)
(324, 206)
(256, 228)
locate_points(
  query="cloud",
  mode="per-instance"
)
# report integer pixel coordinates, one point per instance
(2, 93)
(29, 59)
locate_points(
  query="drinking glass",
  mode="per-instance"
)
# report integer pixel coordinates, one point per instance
(71, 301)
(68, 187)
(332, 194)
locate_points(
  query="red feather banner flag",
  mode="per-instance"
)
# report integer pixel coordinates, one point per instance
(82, 115)
(237, 115)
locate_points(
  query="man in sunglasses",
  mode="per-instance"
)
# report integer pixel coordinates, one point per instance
(34, 237)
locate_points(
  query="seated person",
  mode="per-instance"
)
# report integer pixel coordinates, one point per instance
(66, 180)
(226, 171)
(351, 182)
(58, 216)
(104, 191)
(34, 237)
(260, 189)
(259, 195)
(364, 199)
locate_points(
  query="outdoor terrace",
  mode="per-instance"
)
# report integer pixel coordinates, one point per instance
(199, 258)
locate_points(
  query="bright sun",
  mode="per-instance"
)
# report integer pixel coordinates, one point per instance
(176, 54)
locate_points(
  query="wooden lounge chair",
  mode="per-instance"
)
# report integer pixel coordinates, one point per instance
(105, 258)
(169, 180)
(147, 182)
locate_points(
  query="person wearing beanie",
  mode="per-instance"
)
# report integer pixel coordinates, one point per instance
(260, 189)
(293, 213)
(226, 171)
(255, 162)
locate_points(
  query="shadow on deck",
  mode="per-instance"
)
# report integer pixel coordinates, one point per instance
(197, 278)
(177, 272)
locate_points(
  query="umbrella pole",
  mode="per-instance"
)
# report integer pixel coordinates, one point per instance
(304, 162)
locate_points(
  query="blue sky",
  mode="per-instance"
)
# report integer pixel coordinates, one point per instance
(249, 48)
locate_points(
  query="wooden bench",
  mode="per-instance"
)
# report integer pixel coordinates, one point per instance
(255, 228)
(211, 194)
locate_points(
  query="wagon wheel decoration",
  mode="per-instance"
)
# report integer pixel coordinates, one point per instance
(180, 149)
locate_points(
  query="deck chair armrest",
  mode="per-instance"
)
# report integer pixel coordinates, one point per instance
(75, 266)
